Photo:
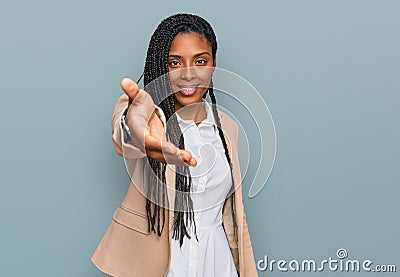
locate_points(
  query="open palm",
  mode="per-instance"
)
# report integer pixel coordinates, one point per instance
(147, 129)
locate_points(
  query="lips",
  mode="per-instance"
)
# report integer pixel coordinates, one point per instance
(188, 90)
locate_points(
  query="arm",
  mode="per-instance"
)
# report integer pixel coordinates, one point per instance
(249, 264)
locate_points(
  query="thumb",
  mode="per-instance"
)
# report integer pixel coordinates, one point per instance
(130, 88)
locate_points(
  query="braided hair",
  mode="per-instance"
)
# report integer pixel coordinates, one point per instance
(156, 66)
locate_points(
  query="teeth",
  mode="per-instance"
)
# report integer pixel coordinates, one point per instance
(187, 89)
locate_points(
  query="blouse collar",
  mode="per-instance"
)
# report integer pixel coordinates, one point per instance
(209, 121)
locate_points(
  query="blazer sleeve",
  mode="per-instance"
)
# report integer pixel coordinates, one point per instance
(249, 262)
(119, 136)
(250, 269)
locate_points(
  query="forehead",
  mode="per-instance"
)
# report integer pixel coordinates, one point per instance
(189, 43)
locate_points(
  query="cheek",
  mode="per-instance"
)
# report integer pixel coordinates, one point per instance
(204, 72)
(205, 76)
(205, 82)
(174, 81)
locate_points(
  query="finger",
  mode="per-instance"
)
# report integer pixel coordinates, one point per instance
(167, 152)
(177, 156)
(174, 155)
(168, 148)
(130, 88)
(171, 159)
(187, 157)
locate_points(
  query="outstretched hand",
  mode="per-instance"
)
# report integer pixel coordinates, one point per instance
(147, 128)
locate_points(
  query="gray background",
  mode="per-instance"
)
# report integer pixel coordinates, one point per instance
(327, 70)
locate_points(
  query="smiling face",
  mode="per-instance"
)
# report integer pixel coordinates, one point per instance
(190, 64)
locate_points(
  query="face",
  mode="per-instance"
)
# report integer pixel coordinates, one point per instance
(190, 64)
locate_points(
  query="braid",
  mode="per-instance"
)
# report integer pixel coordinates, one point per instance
(156, 67)
(221, 135)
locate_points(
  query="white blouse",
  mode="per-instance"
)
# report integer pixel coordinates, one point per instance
(211, 182)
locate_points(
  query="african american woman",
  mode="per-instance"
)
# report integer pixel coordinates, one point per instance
(183, 213)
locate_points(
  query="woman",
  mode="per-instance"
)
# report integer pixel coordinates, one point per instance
(183, 213)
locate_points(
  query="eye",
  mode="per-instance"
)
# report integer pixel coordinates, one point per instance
(202, 61)
(173, 63)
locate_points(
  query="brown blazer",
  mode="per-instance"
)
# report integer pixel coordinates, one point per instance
(127, 249)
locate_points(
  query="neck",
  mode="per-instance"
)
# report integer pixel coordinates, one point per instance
(195, 112)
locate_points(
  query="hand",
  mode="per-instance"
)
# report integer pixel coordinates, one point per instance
(147, 128)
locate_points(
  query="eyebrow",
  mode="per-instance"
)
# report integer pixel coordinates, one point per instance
(197, 55)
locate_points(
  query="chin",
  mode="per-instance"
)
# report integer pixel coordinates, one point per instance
(187, 100)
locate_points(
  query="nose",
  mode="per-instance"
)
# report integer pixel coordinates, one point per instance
(188, 73)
